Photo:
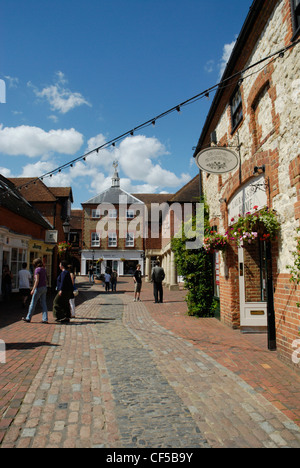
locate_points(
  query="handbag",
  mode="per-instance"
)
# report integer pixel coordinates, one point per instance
(75, 291)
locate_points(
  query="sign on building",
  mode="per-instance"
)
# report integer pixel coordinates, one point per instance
(249, 195)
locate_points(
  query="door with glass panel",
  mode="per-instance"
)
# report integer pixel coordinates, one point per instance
(253, 284)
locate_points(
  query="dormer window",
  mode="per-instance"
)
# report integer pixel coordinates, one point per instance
(95, 213)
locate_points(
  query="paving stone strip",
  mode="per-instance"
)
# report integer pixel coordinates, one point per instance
(228, 412)
(149, 412)
(116, 379)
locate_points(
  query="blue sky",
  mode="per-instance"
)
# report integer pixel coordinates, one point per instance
(81, 73)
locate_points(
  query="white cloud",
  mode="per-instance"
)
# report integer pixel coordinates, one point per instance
(5, 172)
(227, 50)
(12, 82)
(61, 99)
(209, 66)
(139, 167)
(136, 155)
(34, 141)
(37, 169)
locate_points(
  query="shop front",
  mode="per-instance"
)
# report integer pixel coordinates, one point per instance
(249, 257)
(13, 252)
(123, 262)
(44, 251)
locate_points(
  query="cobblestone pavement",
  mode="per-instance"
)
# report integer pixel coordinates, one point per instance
(124, 374)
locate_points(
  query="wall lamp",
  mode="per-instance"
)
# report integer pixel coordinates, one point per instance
(259, 170)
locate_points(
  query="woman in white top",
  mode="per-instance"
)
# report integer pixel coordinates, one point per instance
(24, 283)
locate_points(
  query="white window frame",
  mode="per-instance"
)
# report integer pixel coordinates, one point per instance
(130, 239)
(130, 214)
(112, 239)
(113, 214)
(95, 239)
(96, 213)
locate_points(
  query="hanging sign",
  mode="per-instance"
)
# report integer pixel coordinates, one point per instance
(217, 160)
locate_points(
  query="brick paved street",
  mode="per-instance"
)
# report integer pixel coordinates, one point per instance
(125, 374)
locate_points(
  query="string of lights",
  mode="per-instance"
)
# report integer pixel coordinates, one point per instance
(177, 108)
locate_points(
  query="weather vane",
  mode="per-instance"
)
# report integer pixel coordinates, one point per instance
(115, 164)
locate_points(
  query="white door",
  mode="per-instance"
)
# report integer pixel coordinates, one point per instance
(252, 283)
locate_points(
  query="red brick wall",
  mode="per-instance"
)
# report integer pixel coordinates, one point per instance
(21, 225)
(287, 316)
(229, 290)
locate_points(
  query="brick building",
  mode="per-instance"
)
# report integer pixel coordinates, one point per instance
(75, 238)
(113, 231)
(54, 204)
(23, 232)
(256, 114)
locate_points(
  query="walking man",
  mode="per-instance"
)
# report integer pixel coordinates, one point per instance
(157, 276)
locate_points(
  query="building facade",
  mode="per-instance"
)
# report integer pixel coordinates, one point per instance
(23, 233)
(257, 116)
(54, 205)
(113, 231)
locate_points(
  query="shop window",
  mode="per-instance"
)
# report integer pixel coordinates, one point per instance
(130, 267)
(48, 266)
(236, 106)
(18, 256)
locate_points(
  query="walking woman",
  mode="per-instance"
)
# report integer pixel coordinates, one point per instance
(39, 291)
(75, 290)
(61, 304)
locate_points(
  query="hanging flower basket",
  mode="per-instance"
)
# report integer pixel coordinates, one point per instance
(64, 247)
(263, 225)
(215, 242)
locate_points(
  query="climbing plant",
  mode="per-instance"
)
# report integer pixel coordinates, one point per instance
(196, 268)
(295, 269)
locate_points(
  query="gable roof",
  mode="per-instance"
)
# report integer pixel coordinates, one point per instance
(12, 200)
(189, 193)
(34, 190)
(112, 196)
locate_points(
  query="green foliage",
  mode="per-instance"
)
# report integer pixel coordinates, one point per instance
(195, 266)
(215, 241)
(261, 224)
(295, 269)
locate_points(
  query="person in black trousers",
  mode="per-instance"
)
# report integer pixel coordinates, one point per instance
(157, 276)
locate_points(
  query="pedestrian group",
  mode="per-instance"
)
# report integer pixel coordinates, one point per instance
(66, 289)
